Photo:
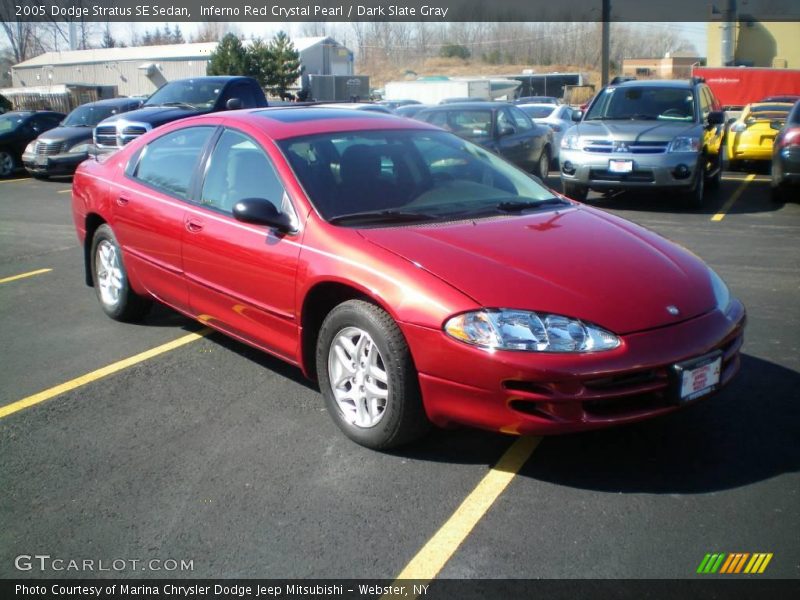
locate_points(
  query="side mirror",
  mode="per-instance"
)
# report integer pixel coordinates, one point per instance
(776, 125)
(577, 116)
(260, 211)
(715, 117)
(506, 130)
(234, 104)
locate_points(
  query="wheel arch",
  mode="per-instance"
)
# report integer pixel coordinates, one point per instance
(93, 221)
(319, 300)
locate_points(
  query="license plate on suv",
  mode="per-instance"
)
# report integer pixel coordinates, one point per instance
(698, 377)
(620, 166)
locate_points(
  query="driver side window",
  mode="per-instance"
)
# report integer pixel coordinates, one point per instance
(239, 169)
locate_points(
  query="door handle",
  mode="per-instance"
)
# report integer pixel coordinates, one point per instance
(194, 226)
(122, 200)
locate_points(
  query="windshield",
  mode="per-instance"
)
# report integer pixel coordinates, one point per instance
(11, 121)
(643, 103)
(88, 116)
(407, 174)
(191, 92)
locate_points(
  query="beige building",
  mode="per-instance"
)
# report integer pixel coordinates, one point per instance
(669, 67)
(756, 44)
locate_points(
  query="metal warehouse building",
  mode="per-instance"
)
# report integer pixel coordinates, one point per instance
(139, 71)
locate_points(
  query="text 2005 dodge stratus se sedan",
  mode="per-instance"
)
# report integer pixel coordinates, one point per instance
(418, 277)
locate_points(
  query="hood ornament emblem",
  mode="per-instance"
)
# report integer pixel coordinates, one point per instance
(673, 310)
(621, 147)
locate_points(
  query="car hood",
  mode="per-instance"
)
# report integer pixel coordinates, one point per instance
(635, 131)
(66, 134)
(577, 262)
(154, 115)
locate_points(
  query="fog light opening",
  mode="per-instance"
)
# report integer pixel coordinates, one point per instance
(681, 172)
(568, 168)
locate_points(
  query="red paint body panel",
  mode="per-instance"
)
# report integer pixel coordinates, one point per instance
(252, 283)
(738, 86)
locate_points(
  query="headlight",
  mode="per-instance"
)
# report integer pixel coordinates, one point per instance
(571, 142)
(721, 292)
(79, 149)
(506, 329)
(684, 144)
(30, 148)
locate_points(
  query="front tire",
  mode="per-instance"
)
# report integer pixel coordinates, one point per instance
(7, 163)
(695, 196)
(110, 279)
(367, 377)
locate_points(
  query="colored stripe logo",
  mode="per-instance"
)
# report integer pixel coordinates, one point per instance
(733, 563)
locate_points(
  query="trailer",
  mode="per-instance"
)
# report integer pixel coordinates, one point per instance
(736, 87)
(547, 84)
(434, 90)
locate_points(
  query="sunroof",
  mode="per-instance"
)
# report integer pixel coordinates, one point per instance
(295, 115)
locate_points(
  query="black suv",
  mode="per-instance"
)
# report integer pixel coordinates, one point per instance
(646, 135)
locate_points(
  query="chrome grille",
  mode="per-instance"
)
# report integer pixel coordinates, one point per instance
(609, 147)
(49, 148)
(106, 135)
(131, 132)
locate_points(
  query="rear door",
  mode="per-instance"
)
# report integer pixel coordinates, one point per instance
(149, 204)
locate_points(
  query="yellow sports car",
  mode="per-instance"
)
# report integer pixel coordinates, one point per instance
(750, 137)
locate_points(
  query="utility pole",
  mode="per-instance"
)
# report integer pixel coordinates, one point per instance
(605, 51)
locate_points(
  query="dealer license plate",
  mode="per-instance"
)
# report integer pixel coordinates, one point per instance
(620, 166)
(699, 377)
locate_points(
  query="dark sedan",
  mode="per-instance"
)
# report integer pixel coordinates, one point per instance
(60, 150)
(17, 130)
(786, 158)
(500, 127)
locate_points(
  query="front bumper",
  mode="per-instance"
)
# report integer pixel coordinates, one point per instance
(56, 164)
(539, 394)
(650, 171)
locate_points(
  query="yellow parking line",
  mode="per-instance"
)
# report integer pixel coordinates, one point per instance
(64, 191)
(427, 563)
(734, 197)
(20, 180)
(52, 392)
(24, 275)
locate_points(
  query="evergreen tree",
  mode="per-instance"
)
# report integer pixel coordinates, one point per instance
(260, 62)
(230, 58)
(286, 64)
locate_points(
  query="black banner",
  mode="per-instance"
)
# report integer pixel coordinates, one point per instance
(176, 11)
(712, 588)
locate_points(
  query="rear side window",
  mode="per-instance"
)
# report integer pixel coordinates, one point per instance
(168, 163)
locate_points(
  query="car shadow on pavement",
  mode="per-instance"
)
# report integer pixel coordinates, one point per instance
(745, 434)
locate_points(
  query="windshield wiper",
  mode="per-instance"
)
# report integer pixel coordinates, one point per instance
(377, 216)
(639, 117)
(520, 205)
(181, 104)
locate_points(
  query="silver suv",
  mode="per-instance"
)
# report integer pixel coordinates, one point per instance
(645, 135)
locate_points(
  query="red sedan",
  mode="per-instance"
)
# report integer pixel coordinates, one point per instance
(417, 277)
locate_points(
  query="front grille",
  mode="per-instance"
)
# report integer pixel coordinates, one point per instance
(635, 176)
(131, 132)
(636, 147)
(49, 148)
(106, 135)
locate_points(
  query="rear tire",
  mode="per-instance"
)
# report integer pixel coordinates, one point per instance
(367, 377)
(110, 279)
(575, 191)
(543, 165)
(7, 163)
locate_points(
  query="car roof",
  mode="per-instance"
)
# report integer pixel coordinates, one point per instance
(287, 122)
(472, 105)
(672, 83)
(552, 107)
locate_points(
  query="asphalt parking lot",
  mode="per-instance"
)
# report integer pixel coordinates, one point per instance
(214, 453)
